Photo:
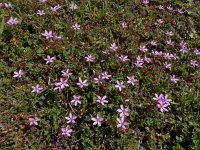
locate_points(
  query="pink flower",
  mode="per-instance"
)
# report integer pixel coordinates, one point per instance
(98, 120)
(61, 85)
(18, 74)
(148, 60)
(156, 53)
(105, 75)
(73, 6)
(123, 58)
(66, 73)
(102, 100)
(42, 1)
(40, 12)
(8, 5)
(145, 2)
(124, 25)
(76, 100)
(180, 11)
(162, 106)
(173, 79)
(169, 7)
(132, 80)
(76, 26)
(122, 123)
(143, 48)
(113, 47)
(162, 97)
(55, 8)
(167, 65)
(160, 21)
(153, 43)
(49, 59)
(82, 83)
(170, 42)
(57, 37)
(90, 58)
(1, 5)
(169, 33)
(123, 111)
(120, 85)
(70, 118)
(12, 21)
(47, 34)
(184, 48)
(66, 131)
(161, 7)
(194, 63)
(98, 80)
(33, 121)
(183, 44)
(197, 52)
(36, 89)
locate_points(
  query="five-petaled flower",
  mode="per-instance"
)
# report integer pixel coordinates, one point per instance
(48, 34)
(73, 6)
(70, 118)
(12, 21)
(132, 80)
(173, 78)
(49, 59)
(143, 48)
(36, 89)
(8, 5)
(123, 111)
(33, 121)
(98, 80)
(66, 73)
(102, 100)
(153, 43)
(113, 47)
(76, 26)
(66, 131)
(55, 8)
(120, 85)
(98, 120)
(18, 74)
(62, 84)
(82, 83)
(76, 100)
(105, 75)
(40, 12)
(89, 58)
(180, 11)
(167, 65)
(194, 63)
(123, 58)
(124, 25)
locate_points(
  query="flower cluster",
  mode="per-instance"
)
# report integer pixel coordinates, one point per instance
(121, 121)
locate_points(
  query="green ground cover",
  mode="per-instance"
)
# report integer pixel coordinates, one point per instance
(100, 74)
